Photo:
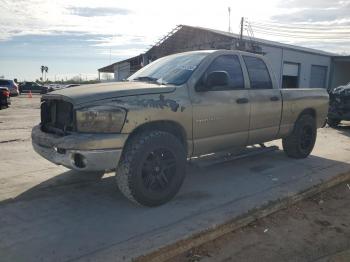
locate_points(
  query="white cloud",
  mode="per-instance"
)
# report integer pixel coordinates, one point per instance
(127, 28)
(150, 18)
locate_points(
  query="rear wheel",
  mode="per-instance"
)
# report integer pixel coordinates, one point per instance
(152, 168)
(301, 141)
(333, 122)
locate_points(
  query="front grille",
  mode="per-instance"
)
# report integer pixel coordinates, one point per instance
(57, 116)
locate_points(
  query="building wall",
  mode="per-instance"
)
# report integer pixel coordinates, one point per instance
(188, 39)
(278, 55)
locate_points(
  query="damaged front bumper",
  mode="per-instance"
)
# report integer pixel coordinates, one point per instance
(83, 152)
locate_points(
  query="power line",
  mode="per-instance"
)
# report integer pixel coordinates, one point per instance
(329, 37)
(301, 30)
(287, 31)
(300, 25)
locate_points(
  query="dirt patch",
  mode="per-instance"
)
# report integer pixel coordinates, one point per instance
(316, 229)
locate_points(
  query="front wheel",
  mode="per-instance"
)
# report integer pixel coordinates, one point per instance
(300, 143)
(152, 168)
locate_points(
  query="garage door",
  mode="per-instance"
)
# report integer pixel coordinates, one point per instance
(318, 76)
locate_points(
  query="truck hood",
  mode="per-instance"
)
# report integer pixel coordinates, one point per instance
(89, 93)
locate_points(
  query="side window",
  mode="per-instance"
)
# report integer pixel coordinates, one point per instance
(230, 64)
(259, 75)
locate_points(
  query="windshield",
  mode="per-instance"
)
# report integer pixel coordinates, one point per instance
(174, 69)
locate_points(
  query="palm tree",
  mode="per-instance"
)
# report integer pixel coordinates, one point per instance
(46, 70)
(42, 68)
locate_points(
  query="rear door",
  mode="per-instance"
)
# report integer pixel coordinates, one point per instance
(266, 101)
(221, 115)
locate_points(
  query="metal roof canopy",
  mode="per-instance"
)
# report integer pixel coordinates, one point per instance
(110, 68)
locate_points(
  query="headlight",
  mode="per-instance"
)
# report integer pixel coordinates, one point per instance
(100, 119)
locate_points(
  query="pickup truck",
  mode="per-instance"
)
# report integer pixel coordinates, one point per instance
(177, 107)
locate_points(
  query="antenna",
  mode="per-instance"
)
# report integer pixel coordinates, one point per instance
(229, 19)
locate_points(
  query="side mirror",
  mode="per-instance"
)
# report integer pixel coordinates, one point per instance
(216, 78)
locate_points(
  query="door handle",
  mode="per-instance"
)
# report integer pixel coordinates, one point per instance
(242, 100)
(274, 98)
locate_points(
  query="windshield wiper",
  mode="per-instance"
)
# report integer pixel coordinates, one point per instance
(146, 78)
(158, 81)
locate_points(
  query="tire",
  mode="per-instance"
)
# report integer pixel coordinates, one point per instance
(300, 143)
(152, 168)
(333, 122)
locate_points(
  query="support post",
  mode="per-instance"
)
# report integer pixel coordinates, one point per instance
(241, 34)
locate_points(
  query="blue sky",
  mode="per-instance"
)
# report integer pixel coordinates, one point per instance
(75, 37)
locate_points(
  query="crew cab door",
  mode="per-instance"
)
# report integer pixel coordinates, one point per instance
(221, 114)
(266, 101)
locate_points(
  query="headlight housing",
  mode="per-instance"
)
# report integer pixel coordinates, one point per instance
(100, 119)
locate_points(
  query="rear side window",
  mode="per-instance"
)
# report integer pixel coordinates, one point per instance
(230, 64)
(259, 75)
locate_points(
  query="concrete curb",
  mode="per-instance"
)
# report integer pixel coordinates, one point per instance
(200, 238)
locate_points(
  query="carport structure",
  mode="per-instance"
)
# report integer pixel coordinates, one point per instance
(340, 71)
(122, 69)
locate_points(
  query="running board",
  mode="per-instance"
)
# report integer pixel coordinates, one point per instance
(228, 156)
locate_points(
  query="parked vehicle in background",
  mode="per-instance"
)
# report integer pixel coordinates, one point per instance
(180, 106)
(339, 105)
(11, 85)
(55, 87)
(71, 85)
(5, 99)
(34, 87)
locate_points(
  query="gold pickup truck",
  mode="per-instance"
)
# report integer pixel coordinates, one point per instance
(177, 107)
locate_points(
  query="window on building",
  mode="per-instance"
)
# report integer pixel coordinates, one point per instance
(230, 64)
(290, 75)
(259, 75)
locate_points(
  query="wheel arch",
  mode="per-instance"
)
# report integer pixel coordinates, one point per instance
(168, 126)
(308, 111)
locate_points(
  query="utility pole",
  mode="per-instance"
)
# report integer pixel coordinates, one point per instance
(242, 25)
(229, 19)
(110, 55)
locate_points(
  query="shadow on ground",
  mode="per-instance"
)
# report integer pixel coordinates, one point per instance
(344, 129)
